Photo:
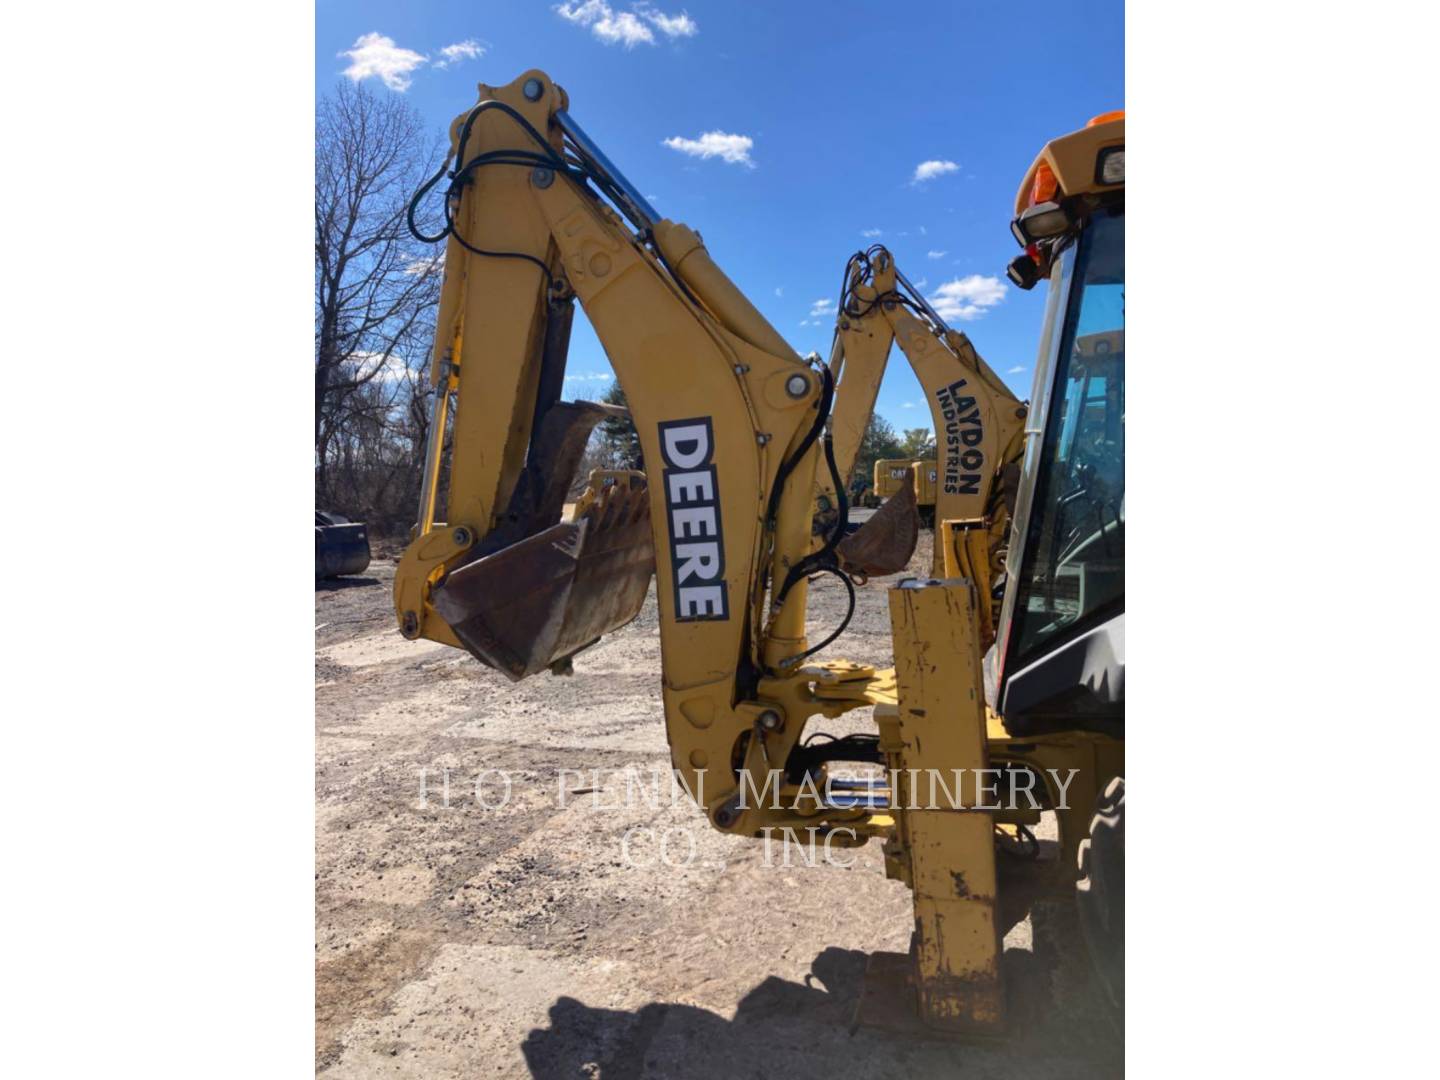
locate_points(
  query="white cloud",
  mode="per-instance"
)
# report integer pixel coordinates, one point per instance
(426, 264)
(469, 49)
(821, 308)
(611, 28)
(377, 367)
(779, 290)
(672, 26)
(922, 230)
(935, 254)
(590, 376)
(870, 234)
(734, 149)
(626, 27)
(928, 170)
(1016, 370)
(920, 284)
(968, 297)
(378, 55)
(909, 405)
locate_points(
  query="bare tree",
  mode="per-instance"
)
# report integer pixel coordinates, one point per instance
(376, 287)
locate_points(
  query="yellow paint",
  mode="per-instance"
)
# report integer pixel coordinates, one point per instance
(686, 343)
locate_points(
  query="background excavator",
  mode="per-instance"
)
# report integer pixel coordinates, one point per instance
(925, 475)
(743, 506)
(891, 474)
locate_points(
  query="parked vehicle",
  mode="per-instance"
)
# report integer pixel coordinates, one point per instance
(342, 546)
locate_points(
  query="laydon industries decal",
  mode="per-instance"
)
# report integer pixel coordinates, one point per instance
(964, 433)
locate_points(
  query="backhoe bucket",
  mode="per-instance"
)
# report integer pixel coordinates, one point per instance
(535, 603)
(884, 544)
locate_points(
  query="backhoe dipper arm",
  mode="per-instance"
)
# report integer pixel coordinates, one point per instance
(979, 424)
(729, 420)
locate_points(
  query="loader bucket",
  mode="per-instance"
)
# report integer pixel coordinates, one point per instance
(535, 603)
(884, 544)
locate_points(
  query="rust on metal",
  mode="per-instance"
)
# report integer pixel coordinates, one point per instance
(557, 444)
(963, 1004)
(954, 1008)
(536, 602)
(884, 544)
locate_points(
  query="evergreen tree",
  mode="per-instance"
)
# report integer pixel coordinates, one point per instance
(618, 436)
(878, 443)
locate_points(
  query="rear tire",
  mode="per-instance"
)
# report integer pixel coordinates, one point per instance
(1100, 890)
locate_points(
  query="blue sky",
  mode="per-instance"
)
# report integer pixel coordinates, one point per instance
(825, 113)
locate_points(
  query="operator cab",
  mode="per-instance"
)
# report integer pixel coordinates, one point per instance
(1059, 658)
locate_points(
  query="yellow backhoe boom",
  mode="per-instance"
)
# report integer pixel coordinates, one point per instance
(732, 426)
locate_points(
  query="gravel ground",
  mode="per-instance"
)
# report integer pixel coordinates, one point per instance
(457, 937)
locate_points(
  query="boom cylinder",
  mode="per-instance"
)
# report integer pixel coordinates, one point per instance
(685, 252)
(641, 214)
(430, 478)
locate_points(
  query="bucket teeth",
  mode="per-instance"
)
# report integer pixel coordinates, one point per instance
(542, 599)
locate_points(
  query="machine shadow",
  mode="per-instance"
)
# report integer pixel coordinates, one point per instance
(582, 1040)
(336, 584)
(795, 1028)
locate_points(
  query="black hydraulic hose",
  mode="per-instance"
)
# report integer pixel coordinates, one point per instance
(842, 516)
(488, 104)
(415, 202)
(824, 559)
(791, 661)
(822, 413)
(547, 158)
(450, 228)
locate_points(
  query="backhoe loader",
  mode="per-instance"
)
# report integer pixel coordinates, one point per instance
(979, 424)
(741, 439)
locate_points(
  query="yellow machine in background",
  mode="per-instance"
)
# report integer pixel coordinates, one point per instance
(600, 481)
(924, 475)
(892, 474)
(742, 441)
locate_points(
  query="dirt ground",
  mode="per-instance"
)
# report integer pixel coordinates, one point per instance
(459, 937)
